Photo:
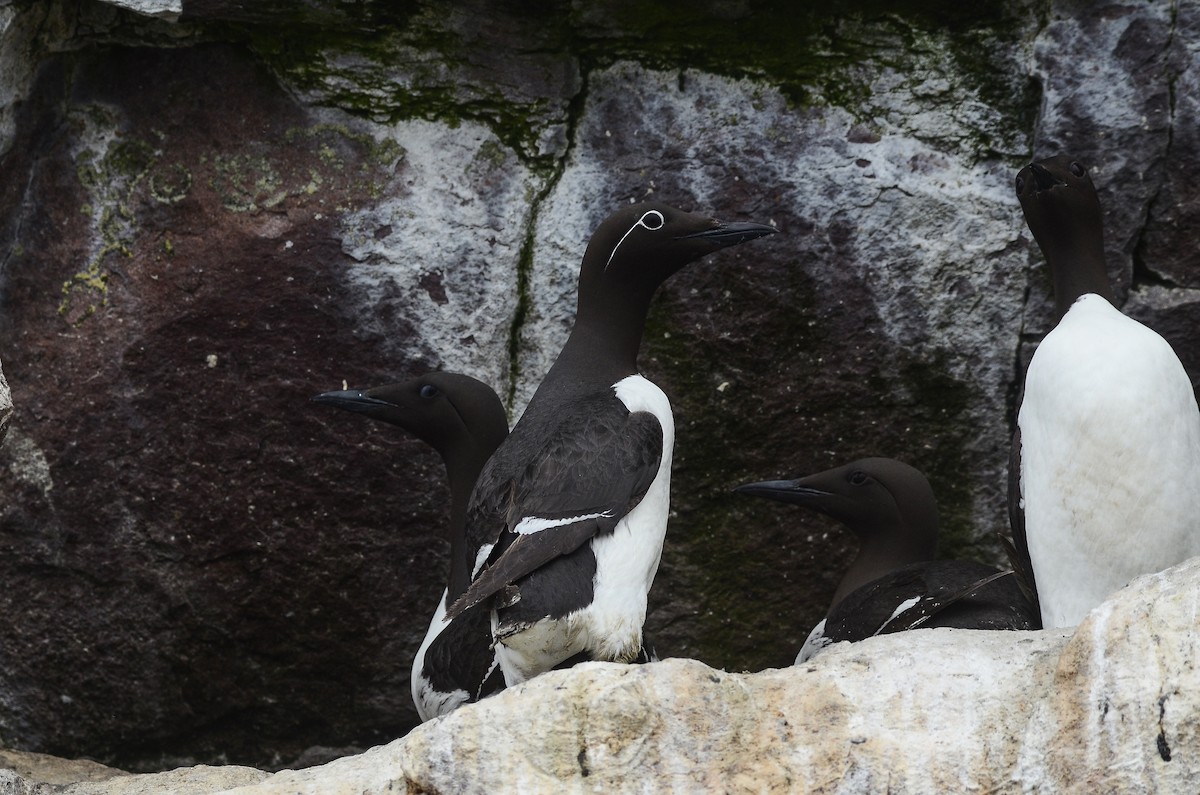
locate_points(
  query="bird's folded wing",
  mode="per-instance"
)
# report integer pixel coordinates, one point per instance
(1016, 546)
(460, 658)
(584, 479)
(926, 608)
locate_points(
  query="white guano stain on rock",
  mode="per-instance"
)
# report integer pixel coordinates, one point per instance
(441, 248)
(162, 9)
(6, 406)
(1114, 114)
(19, 31)
(26, 461)
(930, 234)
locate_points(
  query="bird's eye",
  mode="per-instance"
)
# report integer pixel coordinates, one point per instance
(428, 391)
(1020, 183)
(1077, 169)
(652, 220)
(858, 478)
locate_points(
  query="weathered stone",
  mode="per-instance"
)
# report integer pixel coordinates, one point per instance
(6, 406)
(174, 304)
(442, 260)
(1117, 115)
(198, 780)
(164, 9)
(928, 711)
(43, 769)
(935, 711)
(1174, 210)
(206, 221)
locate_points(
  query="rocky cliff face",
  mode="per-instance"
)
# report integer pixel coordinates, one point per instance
(212, 210)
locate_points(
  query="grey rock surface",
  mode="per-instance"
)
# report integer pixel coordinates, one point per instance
(200, 566)
(42, 769)
(164, 9)
(6, 406)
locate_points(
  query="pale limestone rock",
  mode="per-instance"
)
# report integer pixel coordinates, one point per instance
(38, 774)
(199, 780)
(6, 406)
(163, 9)
(45, 769)
(1113, 707)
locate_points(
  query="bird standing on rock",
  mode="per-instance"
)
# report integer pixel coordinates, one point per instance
(570, 513)
(463, 420)
(1105, 472)
(894, 584)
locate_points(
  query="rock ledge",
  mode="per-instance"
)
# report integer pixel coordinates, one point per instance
(1113, 706)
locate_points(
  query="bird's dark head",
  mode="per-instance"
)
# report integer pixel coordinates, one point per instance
(1058, 199)
(638, 247)
(629, 255)
(444, 410)
(1062, 210)
(870, 496)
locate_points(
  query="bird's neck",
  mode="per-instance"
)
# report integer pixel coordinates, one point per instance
(881, 553)
(603, 346)
(462, 470)
(1079, 270)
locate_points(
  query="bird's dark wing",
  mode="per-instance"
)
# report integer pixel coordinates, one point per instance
(1016, 547)
(460, 658)
(592, 470)
(954, 593)
(929, 606)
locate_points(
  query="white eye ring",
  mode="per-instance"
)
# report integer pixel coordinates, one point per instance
(652, 214)
(644, 222)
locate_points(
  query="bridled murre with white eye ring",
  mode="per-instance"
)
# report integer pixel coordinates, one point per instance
(570, 514)
(651, 220)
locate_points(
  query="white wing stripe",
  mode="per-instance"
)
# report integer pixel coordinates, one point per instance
(900, 608)
(535, 524)
(481, 558)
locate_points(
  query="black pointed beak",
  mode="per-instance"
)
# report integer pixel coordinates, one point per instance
(350, 400)
(725, 235)
(1043, 178)
(782, 490)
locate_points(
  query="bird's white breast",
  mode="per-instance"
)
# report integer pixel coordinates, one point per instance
(610, 627)
(1110, 453)
(430, 702)
(627, 559)
(814, 643)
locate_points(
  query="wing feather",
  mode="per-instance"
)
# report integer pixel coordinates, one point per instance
(592, 468)
(1016, 546)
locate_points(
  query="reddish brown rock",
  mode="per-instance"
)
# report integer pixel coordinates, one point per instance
(213, 564)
